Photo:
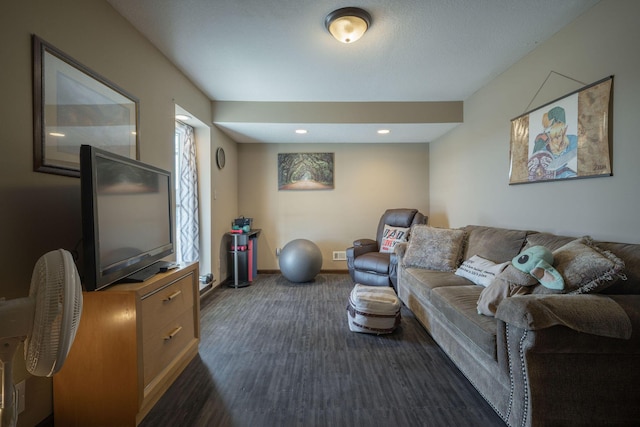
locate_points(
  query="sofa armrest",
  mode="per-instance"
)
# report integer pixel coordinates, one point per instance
(365, 242)
(393, 270)
(557, 364)
(400, 250)
(362, 246)
(592, 314)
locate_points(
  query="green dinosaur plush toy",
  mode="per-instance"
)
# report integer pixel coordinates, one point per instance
(531, 267)
(538, 262)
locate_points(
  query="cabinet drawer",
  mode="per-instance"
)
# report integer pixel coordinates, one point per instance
(166, 304)
(167, 340)
(120, 346)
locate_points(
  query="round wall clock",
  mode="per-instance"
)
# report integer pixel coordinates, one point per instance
(220, 159)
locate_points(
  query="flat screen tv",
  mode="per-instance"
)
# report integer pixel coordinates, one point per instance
(127, 226)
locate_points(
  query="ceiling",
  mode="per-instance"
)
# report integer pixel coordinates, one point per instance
(277, 56)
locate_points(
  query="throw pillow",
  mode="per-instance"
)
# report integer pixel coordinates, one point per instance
(480, 271)
(391, 236)
(585, 267)
(434, 248)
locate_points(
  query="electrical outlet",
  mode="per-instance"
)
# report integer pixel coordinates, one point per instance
(339, 255)
(20, 396)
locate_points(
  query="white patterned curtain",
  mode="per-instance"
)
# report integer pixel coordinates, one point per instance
(188, 228)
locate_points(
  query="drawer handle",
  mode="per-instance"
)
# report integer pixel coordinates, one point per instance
(173, 333)
(172, 296)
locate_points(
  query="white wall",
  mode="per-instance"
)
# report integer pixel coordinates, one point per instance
(41, 212)
(469, 166)
(369, 178)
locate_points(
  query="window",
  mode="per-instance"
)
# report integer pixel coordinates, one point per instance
(186, 183)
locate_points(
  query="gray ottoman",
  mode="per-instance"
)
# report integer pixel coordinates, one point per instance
(373, 309)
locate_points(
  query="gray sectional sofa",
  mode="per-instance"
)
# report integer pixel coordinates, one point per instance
(546, 358)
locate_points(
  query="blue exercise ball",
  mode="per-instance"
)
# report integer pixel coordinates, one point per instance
(300, 260)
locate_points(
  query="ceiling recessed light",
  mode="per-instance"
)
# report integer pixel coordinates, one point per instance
(301, 131)
(182, 117)
(384, 131)
(56, 134)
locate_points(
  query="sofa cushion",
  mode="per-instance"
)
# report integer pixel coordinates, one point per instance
(434, 248)
(586, 268)
(422, 281)
(458, 305)
(391, 236)
(479, 270)
(548, 240)
(630, 255)
(492, 243)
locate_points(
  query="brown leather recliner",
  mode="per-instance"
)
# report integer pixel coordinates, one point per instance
(366, 264)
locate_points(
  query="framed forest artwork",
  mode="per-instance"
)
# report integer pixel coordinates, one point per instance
(305, 171)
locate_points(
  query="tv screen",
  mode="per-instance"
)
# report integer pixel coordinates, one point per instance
(127, 225)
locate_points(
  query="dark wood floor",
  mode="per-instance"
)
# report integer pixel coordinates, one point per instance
(281, 354)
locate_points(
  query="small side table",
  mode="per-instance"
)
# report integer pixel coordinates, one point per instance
(244, 259)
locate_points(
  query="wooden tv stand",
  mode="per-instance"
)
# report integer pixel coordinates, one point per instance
(133, 341)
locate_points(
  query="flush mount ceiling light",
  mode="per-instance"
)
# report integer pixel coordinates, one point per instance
(348, 24)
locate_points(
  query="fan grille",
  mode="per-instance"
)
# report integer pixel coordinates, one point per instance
(56, 288)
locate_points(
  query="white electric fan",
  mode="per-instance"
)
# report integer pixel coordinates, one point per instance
(46, 320)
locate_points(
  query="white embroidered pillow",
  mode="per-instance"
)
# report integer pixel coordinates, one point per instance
(480, 271)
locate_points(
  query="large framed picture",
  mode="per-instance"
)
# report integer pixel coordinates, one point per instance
(305, 171)
(565, 139)
(73, 105)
